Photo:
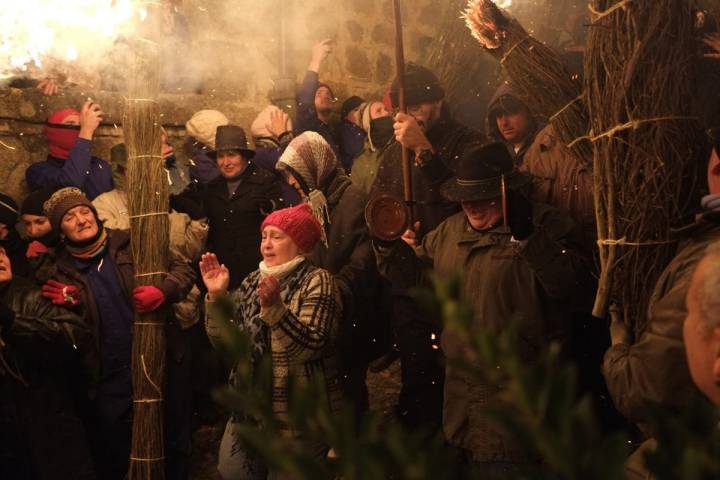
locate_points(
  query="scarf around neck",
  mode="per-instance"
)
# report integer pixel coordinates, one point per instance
(280, 271)
(88, 249)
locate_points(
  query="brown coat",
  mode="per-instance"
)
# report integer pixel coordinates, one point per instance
(653, 370)
(561, 180)
(503, 280)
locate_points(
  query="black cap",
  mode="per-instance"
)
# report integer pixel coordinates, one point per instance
(34, 204)
(421, 86)
(349, 105)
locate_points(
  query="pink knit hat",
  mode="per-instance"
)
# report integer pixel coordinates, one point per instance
(298, 223)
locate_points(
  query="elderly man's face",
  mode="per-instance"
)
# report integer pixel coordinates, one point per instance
(483, 214)
(702, 343)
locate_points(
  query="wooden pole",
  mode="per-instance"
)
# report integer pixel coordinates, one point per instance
(400, 75)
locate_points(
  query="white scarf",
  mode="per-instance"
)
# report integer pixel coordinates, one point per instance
(280, 271)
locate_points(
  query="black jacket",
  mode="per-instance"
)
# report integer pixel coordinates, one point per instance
(449, 139)
(235, 220)
(41, 434)
(365, 331)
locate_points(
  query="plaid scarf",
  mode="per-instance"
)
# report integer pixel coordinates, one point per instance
(89, 249)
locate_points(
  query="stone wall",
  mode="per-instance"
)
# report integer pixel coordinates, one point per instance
(231, 64)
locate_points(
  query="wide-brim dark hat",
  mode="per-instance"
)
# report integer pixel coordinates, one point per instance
(481, 173)
(421, 86)
(232, 137)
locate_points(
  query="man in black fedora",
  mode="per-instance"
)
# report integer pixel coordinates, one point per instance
(518, 262)
(236, 202)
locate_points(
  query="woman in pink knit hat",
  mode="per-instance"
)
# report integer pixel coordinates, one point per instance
(290, 309)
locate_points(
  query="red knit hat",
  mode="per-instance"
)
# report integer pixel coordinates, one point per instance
(298, 223)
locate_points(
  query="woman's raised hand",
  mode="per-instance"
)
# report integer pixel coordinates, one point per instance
(215, 276)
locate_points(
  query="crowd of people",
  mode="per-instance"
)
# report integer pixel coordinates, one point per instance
(272, 218)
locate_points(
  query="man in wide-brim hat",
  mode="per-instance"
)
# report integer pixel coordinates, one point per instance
(236, 202)
(519, 266)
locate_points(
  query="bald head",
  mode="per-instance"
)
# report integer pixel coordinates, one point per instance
(701, 330)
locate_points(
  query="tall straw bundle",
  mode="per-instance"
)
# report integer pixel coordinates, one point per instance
(639, 76)
(148, 203)
(536, 71)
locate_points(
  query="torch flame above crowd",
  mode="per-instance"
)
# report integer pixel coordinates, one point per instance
(34, 31)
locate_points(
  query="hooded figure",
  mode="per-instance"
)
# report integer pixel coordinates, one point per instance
(559, 179)
(345, 251)
(376, 120)
(70, 163)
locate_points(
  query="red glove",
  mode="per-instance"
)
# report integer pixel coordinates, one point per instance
(35, 249)
(61, 293)
(147, 298)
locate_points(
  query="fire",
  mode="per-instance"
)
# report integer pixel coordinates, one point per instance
(35, 31)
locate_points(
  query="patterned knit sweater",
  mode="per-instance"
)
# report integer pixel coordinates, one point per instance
(300, 331)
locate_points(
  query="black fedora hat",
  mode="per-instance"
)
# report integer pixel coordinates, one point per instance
(232, 137)
(480, 174)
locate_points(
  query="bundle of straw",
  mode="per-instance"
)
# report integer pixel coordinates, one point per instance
(536, 71)
(639, 76)
(455, 57)
(148, 203)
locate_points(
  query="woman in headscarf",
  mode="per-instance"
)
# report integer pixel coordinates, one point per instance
(311, 167)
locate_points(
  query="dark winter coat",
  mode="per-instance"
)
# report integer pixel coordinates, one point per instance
(176, 286)
(653, 371)
(90, 174)
(352, 140)
(41, 435)
(235, 220)
(505, 281)
(267, 154)
(449, 139)
(307, 119)
(349, 256)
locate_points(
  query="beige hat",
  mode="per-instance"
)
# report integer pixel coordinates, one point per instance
(203, 124)
(258, 129)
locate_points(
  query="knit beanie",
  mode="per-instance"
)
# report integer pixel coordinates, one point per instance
(298, 223)
(35, 202)
(8, 211)
(62, 201)
(349, 105)
(258, 129)
(421, 86)
(203, 124)
(61, 138)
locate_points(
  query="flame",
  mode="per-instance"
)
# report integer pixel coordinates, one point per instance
(504, 3)
(33, 31)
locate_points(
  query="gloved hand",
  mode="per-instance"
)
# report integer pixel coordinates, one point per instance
(147, 298)
(520, 215)
(35, 249)
(61, 294)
